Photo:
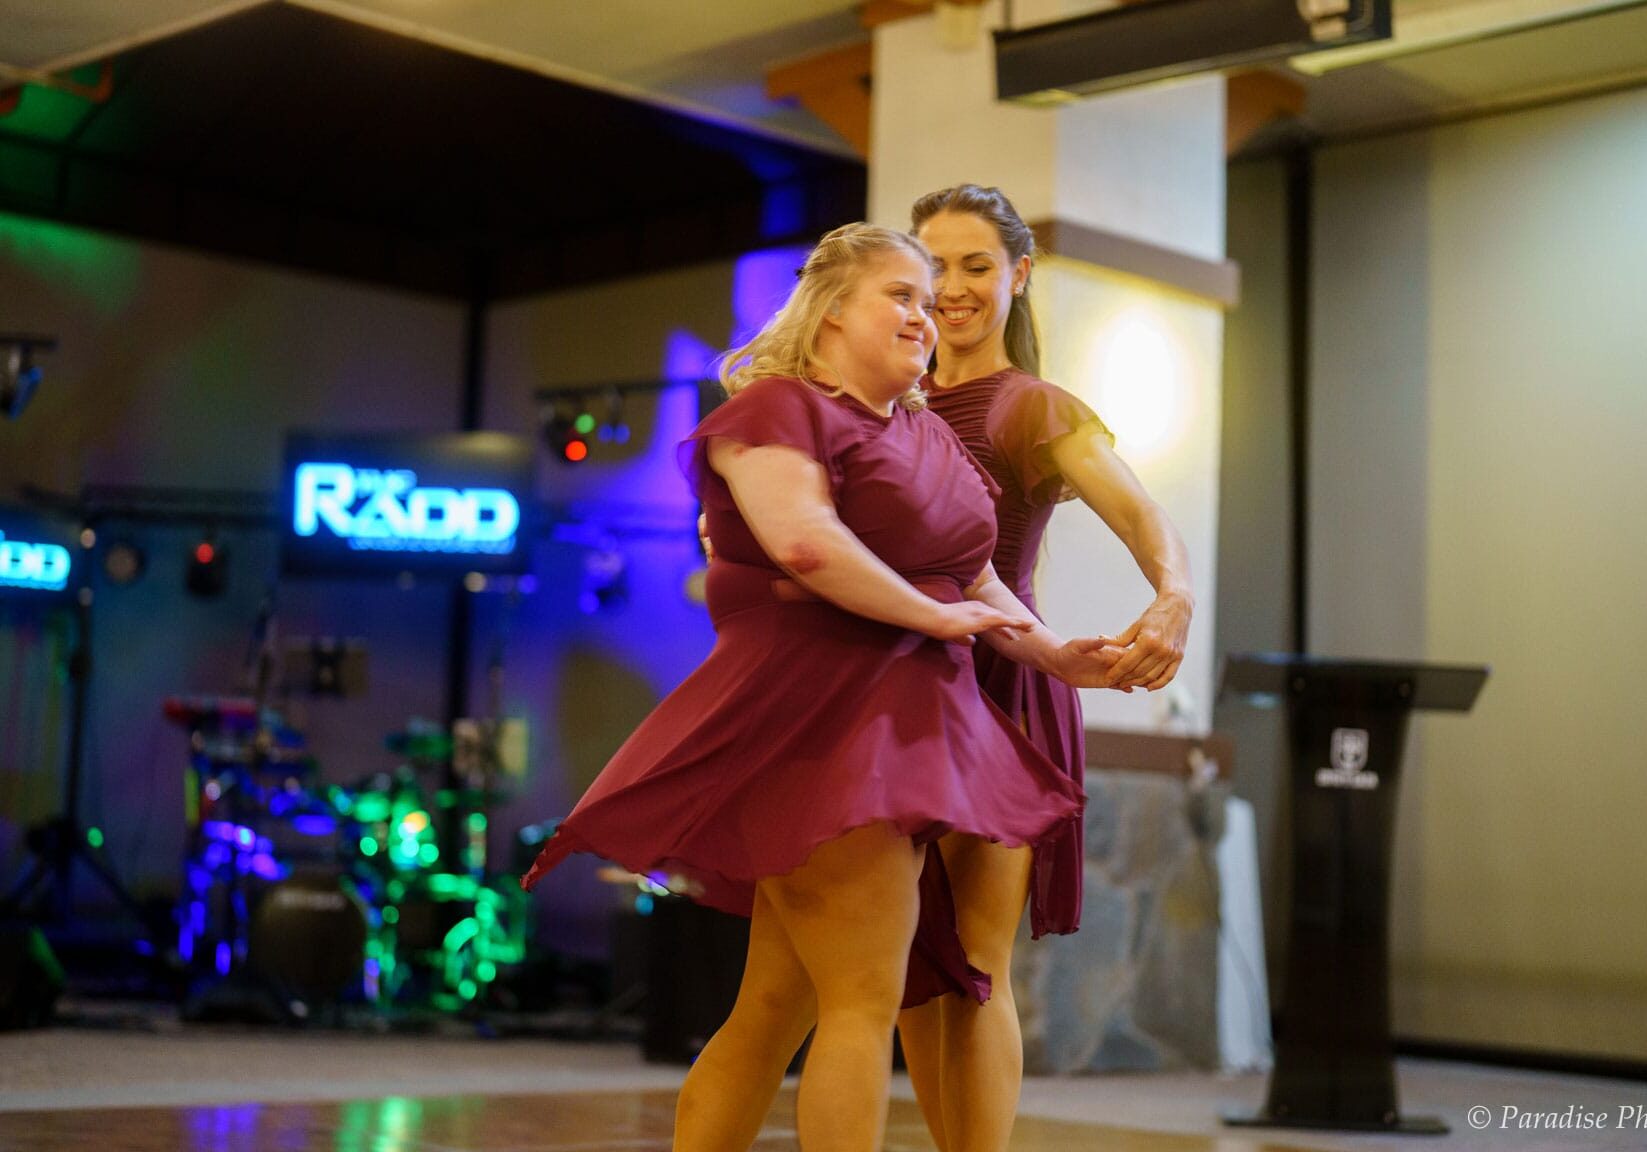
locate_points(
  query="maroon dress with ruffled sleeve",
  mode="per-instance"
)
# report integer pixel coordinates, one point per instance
(806, 721)
(1009, 421)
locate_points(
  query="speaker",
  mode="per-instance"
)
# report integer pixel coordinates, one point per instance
(694, 963)
(30, 978)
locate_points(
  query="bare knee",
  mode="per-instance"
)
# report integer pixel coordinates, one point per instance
(878, 1016)
(872, 995)
(990, 953)
(991, 886)
(773, 1018)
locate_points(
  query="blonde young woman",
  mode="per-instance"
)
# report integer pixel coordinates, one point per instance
(1040, 446)
(836, 728)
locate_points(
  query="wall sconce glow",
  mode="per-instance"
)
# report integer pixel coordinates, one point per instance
(1140, 392)
(383, 509)
(42, 567)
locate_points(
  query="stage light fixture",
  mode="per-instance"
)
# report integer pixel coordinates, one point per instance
(208, 569)
(124, 563)
(19, 374)
(576, 448)
(573, 419)
(614, 430)
(566, 428)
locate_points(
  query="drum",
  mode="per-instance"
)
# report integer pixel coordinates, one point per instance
(444, 937)
(308, 937)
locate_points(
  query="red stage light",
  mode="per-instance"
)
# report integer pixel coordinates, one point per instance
(208, 569)
(576, 450)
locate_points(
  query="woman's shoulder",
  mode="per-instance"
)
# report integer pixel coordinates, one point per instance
(780, 388)
(796, 396)
(776, 397)
(1015, 382)
(1027, 396)
(997, 391)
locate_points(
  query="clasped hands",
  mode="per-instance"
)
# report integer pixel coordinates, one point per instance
(1146, 655)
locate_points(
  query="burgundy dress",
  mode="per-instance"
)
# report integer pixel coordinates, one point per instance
(806, 721)
(1009, 421)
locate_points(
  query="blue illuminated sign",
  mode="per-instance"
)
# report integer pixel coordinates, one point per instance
(445, 504)
(39, 566)
(388, 511)
(39, 557)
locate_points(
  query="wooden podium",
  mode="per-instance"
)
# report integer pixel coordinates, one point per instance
(1347, 721)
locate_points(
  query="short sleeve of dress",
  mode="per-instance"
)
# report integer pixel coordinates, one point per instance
(771, 411)
(1024, 428)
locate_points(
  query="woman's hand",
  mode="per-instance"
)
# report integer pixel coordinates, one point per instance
(1086, 663)
(1154, 644)
(961, 622)
(1152, 649)
(704, 542)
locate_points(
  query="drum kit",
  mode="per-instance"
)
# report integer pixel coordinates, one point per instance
(375, 892)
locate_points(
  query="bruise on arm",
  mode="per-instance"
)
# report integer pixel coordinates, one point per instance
(803, 557)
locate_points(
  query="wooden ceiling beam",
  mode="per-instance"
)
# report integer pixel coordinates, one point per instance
(833, 86)
(874, 13)
(850, 64)
(1256, 99)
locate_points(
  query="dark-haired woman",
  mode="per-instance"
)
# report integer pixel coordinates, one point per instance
(1041, 445)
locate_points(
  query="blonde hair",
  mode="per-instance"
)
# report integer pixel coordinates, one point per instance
(1023, 338)
(787, 345)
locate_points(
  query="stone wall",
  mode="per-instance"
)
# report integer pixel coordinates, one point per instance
(1136, 988)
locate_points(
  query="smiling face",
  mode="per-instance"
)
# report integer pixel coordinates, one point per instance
(975, 280)
(879, 336)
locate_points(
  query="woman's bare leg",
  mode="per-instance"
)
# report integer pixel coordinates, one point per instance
(981, 1050)
(921, 1031)
(850, 913)
(731, 1085)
